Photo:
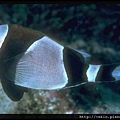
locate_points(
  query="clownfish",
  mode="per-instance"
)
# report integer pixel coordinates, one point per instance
(31, 59)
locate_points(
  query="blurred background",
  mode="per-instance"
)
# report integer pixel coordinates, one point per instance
(94, 28)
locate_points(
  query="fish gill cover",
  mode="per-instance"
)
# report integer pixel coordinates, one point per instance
(94, 28)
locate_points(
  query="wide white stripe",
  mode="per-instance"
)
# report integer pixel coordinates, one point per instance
(116, 73)
(44, 68)
(3, 33)
(92, 72)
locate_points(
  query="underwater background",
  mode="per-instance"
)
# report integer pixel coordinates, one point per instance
(94, 28)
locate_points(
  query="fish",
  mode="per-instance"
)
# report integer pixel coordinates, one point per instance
(29, 59)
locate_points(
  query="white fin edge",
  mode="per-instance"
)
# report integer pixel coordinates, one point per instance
(85, 55)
